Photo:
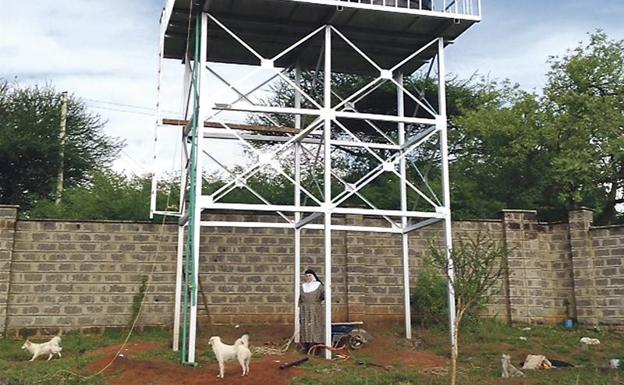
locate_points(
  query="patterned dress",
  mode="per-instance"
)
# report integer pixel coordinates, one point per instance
(312, 315)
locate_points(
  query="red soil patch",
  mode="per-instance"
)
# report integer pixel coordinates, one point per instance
(387, 349)
(138, 372)
(134, 370)
(131, 349)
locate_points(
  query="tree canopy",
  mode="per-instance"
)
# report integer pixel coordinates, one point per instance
(550, 150)
(511, 148)
(30, 145)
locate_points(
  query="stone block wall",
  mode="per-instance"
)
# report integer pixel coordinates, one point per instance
(557, 279)
(8, 220)
(603, 282)
(85, 274)
(78, 275)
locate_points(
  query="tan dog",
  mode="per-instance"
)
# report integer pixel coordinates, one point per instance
(50, 348)
(224, 353)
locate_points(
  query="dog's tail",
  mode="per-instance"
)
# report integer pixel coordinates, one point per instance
(243, 340)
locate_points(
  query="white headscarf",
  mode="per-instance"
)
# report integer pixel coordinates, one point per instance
(310, 286)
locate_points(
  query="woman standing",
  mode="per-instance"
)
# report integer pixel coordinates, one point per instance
(312, 315)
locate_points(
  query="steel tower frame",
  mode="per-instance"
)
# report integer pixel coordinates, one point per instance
(206, 125)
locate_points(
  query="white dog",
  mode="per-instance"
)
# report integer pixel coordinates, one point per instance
(224, 353)
(508, 369)
(50, 348)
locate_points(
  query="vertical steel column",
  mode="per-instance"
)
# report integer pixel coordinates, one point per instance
(154, 187)
(404, 235)
(297, 272)
(178, 290)
(186, 87)
(186, 91)
(448, 237)
(327, 180)
(198, 183)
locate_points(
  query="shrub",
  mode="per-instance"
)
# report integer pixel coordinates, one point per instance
(429, 299)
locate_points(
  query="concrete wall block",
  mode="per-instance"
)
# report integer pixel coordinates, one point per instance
(96, 267)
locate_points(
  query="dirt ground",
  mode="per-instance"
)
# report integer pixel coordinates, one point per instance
(160, 370)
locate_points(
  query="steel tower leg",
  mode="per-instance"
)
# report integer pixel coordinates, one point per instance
(327, 186)
(178, 290)
(201, 114)
(297, 267)
(404, 235)
(448, 237)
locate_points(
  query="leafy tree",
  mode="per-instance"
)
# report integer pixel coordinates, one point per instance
(478, 266)
(30, 145)
(109, 195)
(499, 158)
(552, 152)
(508, 148)
(584, 100)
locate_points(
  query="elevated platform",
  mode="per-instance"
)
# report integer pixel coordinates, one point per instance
(386, 30)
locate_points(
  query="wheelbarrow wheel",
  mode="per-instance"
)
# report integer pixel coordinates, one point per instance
(358, 337)
(355, 342)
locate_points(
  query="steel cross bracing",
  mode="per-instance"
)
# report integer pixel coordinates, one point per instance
(325, 131)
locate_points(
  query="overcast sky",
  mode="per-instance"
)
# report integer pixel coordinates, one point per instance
(106, 52)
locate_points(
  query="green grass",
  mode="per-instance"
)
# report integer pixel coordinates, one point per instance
(357, 376)
(481, 345)
(16, 370)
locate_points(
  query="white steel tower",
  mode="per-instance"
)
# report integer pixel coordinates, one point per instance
(292, 42)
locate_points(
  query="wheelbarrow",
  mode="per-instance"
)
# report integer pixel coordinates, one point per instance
(350, 334)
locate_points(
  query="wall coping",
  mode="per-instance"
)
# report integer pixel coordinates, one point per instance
(518, 211)
(93, 221)
(582, 208)
(478, 220)
(9, 206)
(605, 227)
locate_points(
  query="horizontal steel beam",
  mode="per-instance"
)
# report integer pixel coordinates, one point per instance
(206, 203)
(310, 226)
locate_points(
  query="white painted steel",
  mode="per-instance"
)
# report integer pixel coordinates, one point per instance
(327, 186)
(421, 224)
(203, 93)
(378, 170)
(362, 197)
(383, 118)
(310, 218)
(401, 158)
(413, 55)
(357, 49)
(244, 96)
(167, 213)
(298, 43)
(186, 87)
(448, 236)
(268, 109)
(215, 133)
(245, 184)
(309, 226)
(297, 201)
(439, 7)
(404, 237)
(327, 116)
(256, 167)
(235, 36)
(154, 186)
(361, 93)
